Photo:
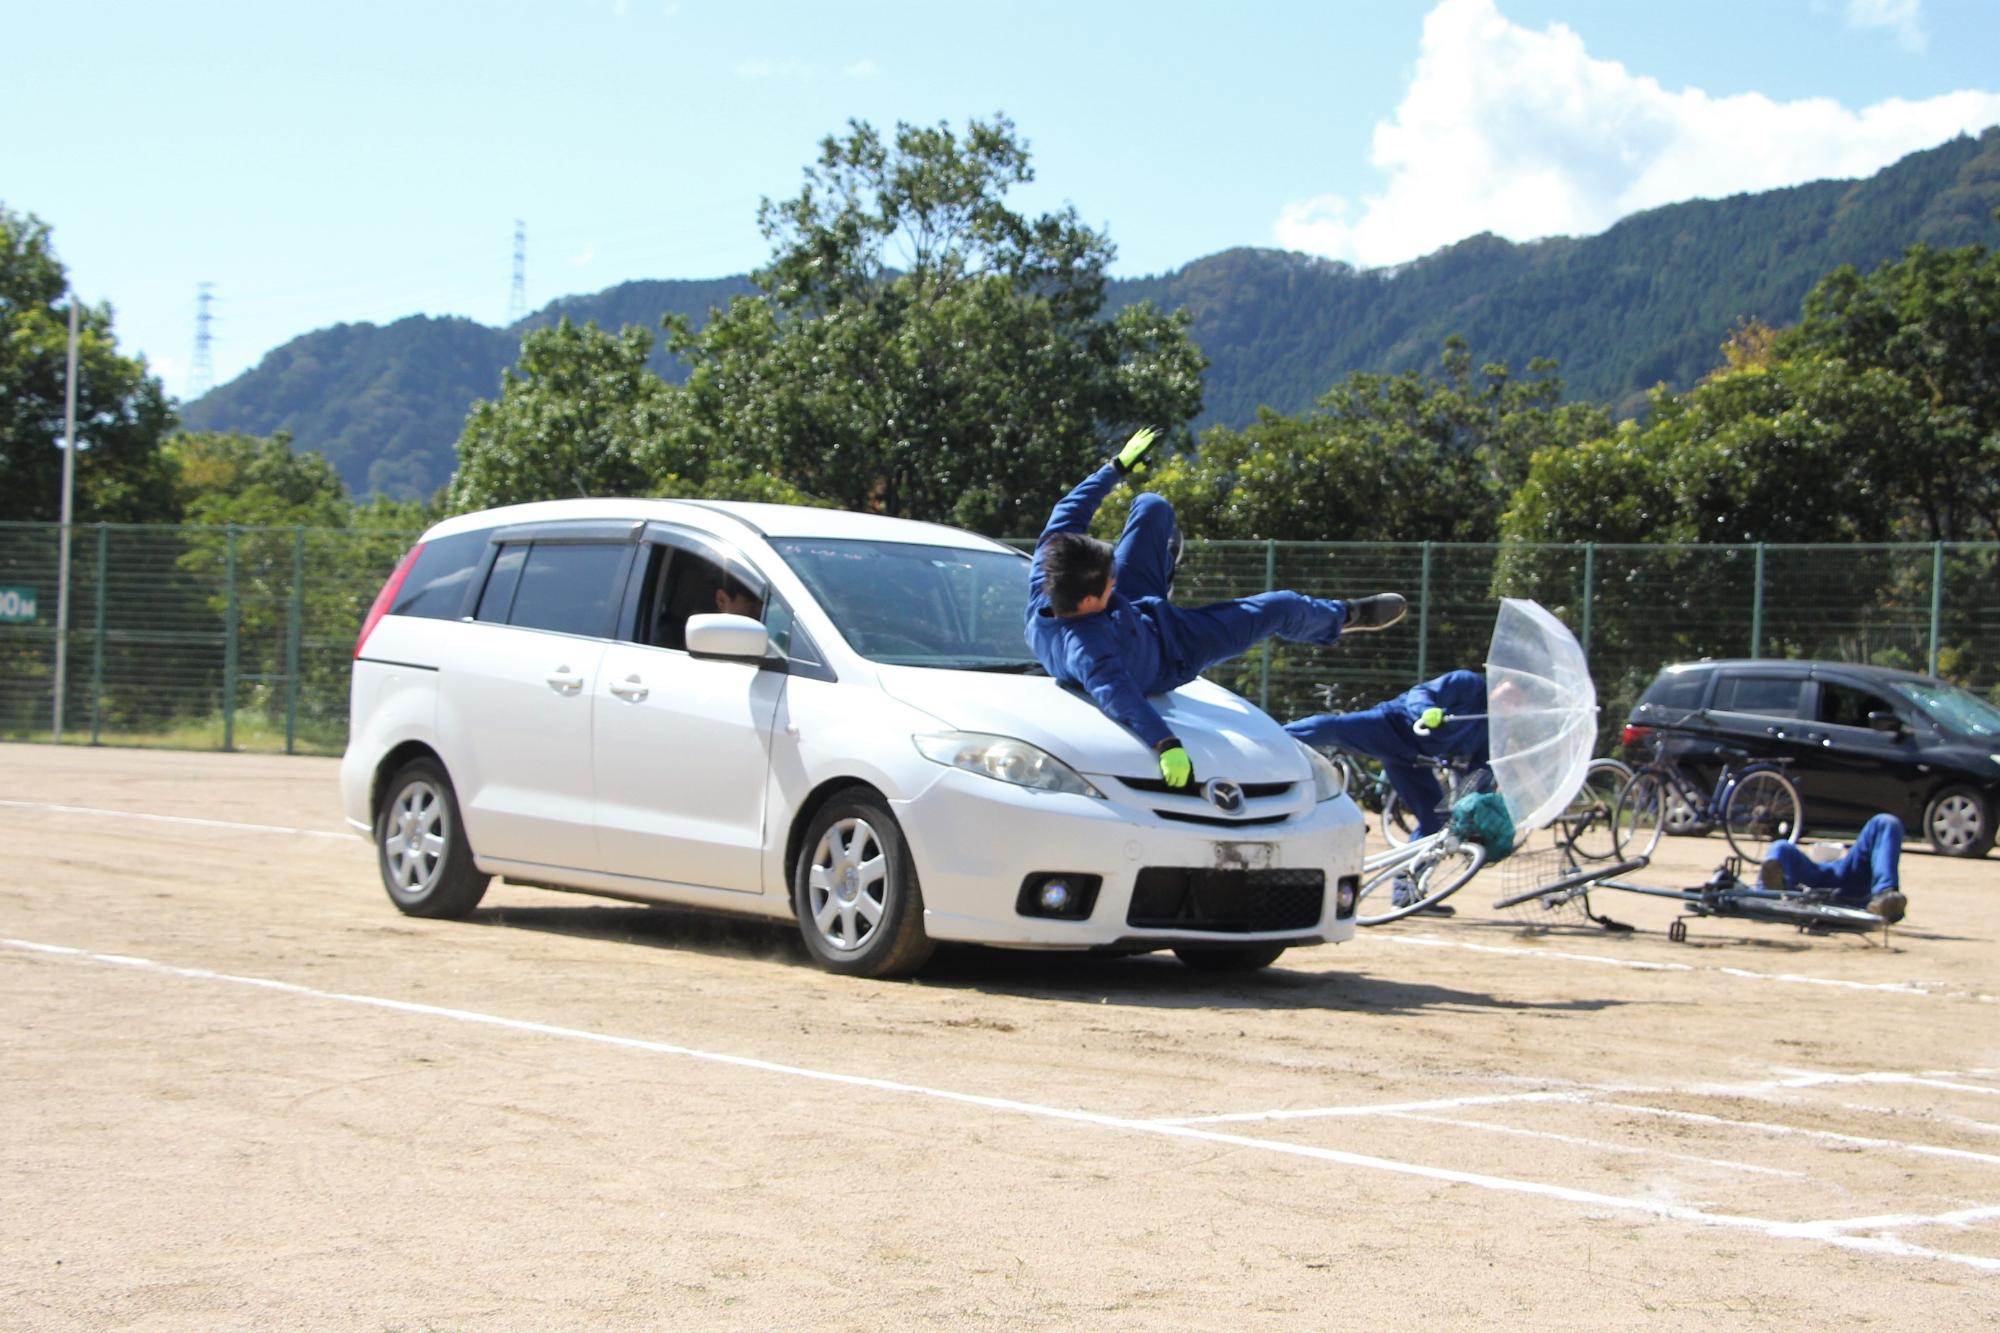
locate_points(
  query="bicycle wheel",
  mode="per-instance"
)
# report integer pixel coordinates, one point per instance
(1584, 826)
(1763, 808)
(1640, 815)
(1426, 880)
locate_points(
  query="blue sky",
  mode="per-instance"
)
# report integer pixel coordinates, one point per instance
(323, 163)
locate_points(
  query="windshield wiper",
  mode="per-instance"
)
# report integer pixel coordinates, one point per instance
(1007, 668)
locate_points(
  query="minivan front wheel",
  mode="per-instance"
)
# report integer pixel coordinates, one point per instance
(855, 891)
(420, 844)
(1959, 822)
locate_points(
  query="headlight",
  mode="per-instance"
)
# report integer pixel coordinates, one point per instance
(1004, 758)
(1327, 782)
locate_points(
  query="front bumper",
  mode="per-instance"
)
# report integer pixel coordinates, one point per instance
(976, 841)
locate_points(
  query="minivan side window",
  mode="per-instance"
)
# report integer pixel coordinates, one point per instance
(569, 587)
(1848, 705)
(1776, 696)
(498, 598)
(436, 585)
(1677, 690)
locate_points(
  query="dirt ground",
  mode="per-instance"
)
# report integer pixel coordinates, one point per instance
(240, 1091)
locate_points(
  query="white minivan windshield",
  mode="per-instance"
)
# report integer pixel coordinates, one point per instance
(914, 605)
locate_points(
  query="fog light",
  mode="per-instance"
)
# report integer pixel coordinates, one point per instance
(1344, 896)
(1059, 895)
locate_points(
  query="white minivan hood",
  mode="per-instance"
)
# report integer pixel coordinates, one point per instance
(1226, 735)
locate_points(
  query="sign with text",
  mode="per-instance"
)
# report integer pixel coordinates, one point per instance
(17, 605)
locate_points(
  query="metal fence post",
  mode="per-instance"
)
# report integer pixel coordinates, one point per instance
(1270, 645)
(1424, 617)
(292, 639)
(1937, 603)
(1757, 606)
(229, 624)
(97, 635)
(1589, 591)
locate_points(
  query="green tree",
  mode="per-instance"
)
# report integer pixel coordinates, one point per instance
(122, 414)
(917, 348)
(1932, 322)
(1383, 457)
(222, 478)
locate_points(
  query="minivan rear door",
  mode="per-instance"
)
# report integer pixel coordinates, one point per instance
(516, 691)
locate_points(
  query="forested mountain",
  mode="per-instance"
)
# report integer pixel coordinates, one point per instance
(1648, 301)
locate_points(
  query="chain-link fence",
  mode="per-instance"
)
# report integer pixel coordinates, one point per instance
(240, 638)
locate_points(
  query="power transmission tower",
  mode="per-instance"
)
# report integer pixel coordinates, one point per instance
(201, 374)
(517, 295)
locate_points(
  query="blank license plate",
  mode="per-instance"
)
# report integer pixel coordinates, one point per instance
(1246, 855)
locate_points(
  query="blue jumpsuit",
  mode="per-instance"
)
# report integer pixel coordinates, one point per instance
(1388, 732)
(1869, 868)
(1141, 643)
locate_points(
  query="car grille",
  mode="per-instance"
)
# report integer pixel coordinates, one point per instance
(1231, 901)
(1251, 790)
(1263, 803)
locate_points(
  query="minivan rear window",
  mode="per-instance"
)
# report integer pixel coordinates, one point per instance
(1677, 690)
(435, 587)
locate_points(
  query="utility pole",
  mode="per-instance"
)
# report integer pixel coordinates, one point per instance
(68, 510)
(517, 295)
(201, 374)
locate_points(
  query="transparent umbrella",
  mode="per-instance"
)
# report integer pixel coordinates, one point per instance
(1541, 718)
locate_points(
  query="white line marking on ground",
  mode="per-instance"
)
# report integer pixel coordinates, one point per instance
(1387, 1108)
(1831, 1136)
(175, 819)
(1642, 965)
(1599, 1145)
(1962, 1218)
(1499, 1184)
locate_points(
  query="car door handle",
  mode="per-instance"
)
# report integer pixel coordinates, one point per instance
(563, 681)
(629, 689)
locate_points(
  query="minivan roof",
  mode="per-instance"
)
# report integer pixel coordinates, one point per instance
(1802, 666)
(726, 518)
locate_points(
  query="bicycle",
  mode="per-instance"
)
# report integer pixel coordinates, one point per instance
(1756, 804)
(1458, 777)
(1723, 894)
(1584, 827)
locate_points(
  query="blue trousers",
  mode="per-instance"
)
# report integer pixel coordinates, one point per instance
(1868, 868)
(1383, 732)
(1196, 638)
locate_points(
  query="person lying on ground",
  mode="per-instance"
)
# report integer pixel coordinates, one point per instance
(1866, 876)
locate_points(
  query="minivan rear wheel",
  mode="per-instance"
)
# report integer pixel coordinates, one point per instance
(420, 844)
(855, 891)
(1959, 822)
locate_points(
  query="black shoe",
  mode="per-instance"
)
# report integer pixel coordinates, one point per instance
(1772, 876)
(1890, 906)
(1378, 612)
(1442, 909)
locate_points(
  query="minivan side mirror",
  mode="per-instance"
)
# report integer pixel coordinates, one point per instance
(727, 636)
(1882, 720)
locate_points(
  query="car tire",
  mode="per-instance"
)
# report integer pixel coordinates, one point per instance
(420, 845)
(855, 890)
(1959, 822)
(1229, 957)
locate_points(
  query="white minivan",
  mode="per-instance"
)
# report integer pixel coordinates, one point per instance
(808, 713)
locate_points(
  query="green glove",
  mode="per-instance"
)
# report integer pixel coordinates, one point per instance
(1431, 718)
(1135, 448)
(1176, 767)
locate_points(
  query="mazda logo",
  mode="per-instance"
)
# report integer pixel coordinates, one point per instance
(1224, 795)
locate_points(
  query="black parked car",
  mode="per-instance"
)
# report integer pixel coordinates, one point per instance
(1861, 739)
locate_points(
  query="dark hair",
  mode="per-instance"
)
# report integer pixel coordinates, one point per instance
(1074, 567)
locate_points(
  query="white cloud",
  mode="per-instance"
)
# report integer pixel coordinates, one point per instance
(861, 69)
(583, 256)
(1522, 133)
(773, 69)
(1904, 18)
